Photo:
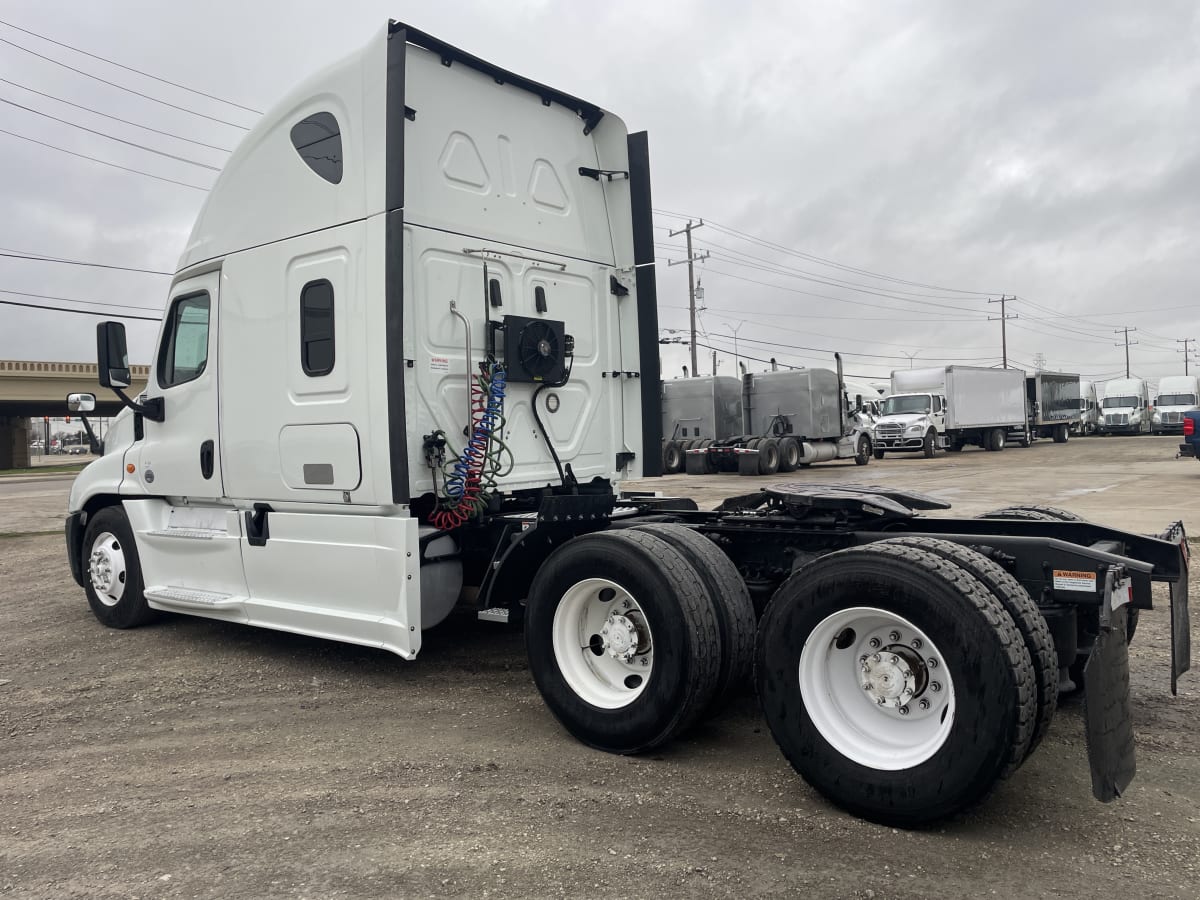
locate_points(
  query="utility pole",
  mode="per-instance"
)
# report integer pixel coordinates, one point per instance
(1184, 351)
(1003, 317)
(735, 347)
(691, 258)
(910, 356)
(1126, 329)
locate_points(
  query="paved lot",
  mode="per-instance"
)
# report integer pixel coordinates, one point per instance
(199, 759)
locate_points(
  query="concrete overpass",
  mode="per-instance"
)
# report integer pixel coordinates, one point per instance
(34, 388)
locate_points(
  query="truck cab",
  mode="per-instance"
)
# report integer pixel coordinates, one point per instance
(1126, 407)
(1177, 395)
(910, 422)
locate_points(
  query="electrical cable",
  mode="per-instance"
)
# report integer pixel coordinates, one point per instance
(102, 162)
(182, 159)
(182, 87)
(170, 134)
(122, 87)
(80, 312)
(41, 257)
(538, 419)
(73, 300)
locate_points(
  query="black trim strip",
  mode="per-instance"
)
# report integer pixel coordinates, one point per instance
(394, 267)
(647, 302)
(589, 112)
(491, 240)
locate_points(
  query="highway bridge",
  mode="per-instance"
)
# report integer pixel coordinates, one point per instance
(35, 388)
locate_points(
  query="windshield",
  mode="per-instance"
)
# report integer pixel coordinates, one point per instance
(914, 403)
(1119, 402)
(1176, 399)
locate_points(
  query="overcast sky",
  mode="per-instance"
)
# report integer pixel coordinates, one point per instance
(1047, 151)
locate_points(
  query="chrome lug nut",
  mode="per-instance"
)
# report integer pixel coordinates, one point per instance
(875, 643)
(932, 662)
(876, 658)
(904, 710)
(935, 686)
(924, 704)
(894, 636)
(916, 643)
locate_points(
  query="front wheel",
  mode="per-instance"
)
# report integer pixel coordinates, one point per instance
(114, 572)
(862, 455)
(895, 683)
(623, 642)
(878, 452)
(929, 444)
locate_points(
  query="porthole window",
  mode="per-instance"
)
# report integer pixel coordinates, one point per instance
(318, 140)
(316, 328)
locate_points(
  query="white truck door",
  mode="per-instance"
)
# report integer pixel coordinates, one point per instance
(181, 456)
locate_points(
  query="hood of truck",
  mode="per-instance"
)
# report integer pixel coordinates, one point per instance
(904, 419)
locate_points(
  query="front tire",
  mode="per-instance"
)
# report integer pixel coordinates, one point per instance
(622, 638)
(929, 444)
(862, 455)
(857, 636)
(115, 589)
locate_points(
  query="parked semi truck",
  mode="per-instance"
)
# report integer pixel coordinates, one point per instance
(407, 360)
(1126, 407)
(950, 407)
(1177, 395)
(790, 420)
(1089, 408)
(697, 411)
(1052, 399)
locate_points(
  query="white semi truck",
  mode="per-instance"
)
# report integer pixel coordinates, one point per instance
(1126, 407)
(950, 407)
(408, 357)
(1177, 394)
(1089, 408)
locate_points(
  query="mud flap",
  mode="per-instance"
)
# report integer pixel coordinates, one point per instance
(1108, 714)
(1181, 632)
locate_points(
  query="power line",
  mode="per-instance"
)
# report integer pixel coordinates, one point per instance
(733, 232)
(122, 87)
(73, 300)
(97, 112)
(102, 162)
(182, 87)
(182, 159)
(80, 312)
(39, 257)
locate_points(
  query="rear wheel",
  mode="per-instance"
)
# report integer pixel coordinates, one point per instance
(735, 611)
(789, 454)
(1025, 615)
(862, 455)
(895, 683)
(622, 638)
(672, 461)
(1062, 434)
(995, 440)
(1037, 513)
(768, 456)
(115, 589)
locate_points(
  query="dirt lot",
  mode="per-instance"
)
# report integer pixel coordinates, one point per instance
(199, 759)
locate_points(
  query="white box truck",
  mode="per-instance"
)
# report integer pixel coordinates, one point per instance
(408, 357)
(1177, 394)
(1126, 407)
(950, 407)
(1089, 408)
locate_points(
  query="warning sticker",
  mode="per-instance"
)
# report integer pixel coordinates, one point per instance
(1070, 580)
(439, 364)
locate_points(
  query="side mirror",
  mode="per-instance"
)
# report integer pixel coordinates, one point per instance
(81, 403)
(112, 355)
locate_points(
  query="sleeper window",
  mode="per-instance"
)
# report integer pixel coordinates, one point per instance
(318, 140)
(185, 344)
(316, 328)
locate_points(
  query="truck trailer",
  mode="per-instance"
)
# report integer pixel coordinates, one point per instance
(1053, 403)
(950, 407)
(407, 360)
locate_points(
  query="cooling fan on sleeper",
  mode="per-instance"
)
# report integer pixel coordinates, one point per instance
(534, 349)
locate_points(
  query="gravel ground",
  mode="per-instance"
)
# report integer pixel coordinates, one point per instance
(193, 758)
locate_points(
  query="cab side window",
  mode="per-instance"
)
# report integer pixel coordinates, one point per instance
(937, 404)
(184, 352)
(316, 328)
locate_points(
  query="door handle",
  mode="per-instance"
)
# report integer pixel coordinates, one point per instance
(206, 459)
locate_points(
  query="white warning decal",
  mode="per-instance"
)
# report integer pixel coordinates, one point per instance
(1070, 580)
(439, 364)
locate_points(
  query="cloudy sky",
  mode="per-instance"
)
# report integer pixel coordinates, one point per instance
(870, 173)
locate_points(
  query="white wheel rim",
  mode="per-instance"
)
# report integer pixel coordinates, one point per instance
(876, 688)
(106, 568)
(602, 643)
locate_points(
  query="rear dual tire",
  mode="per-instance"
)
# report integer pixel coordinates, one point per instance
(851, 639)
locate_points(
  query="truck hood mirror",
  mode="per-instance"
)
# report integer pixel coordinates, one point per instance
(81, 403)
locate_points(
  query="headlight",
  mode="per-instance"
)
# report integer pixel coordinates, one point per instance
(1157, 417)
(915, 429)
